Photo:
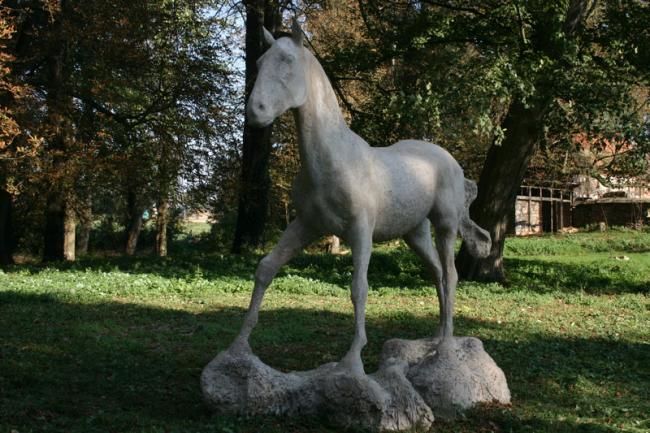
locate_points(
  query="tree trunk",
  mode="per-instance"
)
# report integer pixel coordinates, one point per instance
(503, 172)
(505, 165)
(54, 228)
(59, 219)
(334, 245)
(161, 227)
(132, 236)
(134, 223)
(85, 226)
(252, 211)
(69, 233)
(83, 240)
(6, 232)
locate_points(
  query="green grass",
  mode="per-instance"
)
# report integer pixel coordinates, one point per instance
(195, 229)
(117, 345)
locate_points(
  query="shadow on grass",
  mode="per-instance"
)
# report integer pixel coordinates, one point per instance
(130, 368)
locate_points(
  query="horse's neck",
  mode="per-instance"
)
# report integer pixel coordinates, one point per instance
(323, 136)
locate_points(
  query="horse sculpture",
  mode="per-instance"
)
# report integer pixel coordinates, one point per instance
(359, 193)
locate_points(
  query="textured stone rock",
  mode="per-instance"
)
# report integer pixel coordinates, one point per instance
(453, 376)
(415, 381)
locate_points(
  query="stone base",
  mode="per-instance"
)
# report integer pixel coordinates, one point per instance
(416, 381)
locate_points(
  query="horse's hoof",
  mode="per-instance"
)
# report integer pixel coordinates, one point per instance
(350, 364)
(447, 345)
(240, 347)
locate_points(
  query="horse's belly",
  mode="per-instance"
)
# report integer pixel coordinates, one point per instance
(407, 196)
(400, 218)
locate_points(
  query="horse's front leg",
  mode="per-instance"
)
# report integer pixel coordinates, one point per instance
(293, 240)
(360, 239)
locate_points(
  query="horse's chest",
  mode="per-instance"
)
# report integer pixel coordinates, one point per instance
(326, 209)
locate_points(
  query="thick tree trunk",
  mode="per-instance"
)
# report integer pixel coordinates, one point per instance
(505, 166)
(6, 232)
(83, 240)
(502, 174)
(252, 211)
(134, 223)
(85, 226)
(54, 228)
(59, 218)
(132, 235)
(60, 228)
(69, 233)
(161, 227)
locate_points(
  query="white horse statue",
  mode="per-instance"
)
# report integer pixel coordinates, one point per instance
(357, 192)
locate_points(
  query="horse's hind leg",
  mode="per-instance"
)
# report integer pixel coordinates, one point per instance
(293, 240)
(419, 240)
(445, 239)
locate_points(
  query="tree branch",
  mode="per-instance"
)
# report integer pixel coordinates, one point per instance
(522, 30)
(128, 120)
(578, 12)
(453, 7)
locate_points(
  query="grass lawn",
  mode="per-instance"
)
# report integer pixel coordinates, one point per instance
(117, 345)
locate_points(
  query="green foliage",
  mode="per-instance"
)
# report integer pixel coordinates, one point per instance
(152, 100)
(447, 72)
(147, 94)
(117, 344)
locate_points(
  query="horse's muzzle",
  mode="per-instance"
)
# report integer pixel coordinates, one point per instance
(259, 116)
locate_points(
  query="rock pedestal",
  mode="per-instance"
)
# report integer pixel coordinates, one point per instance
(417, 381)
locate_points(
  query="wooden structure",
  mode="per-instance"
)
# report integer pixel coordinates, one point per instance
(542, 209)
(630, 212)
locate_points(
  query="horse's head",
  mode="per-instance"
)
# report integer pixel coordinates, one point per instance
(281, 80)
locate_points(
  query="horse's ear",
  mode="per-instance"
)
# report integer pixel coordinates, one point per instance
(268, 37)
(296, 32)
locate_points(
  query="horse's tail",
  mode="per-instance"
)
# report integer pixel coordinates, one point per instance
(477, 240)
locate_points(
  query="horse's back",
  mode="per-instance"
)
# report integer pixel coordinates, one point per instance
(416, 179)
(430, 152)
(420, 161)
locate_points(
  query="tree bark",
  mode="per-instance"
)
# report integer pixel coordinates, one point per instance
(161, 227)
(83, 240)
(132, 236)
(253, 206)
(134, 223)
(54, 228)
(69, 233)
(6, 231)
(502, 174)
(59, 219)
(85, 226)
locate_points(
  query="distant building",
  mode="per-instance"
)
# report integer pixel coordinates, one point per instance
(584, 203)
(617, 205)
(542, 209)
